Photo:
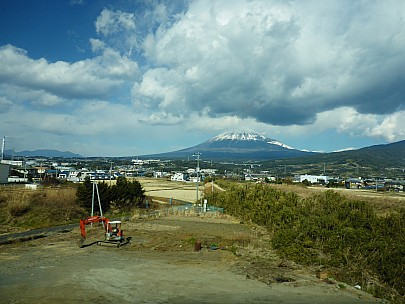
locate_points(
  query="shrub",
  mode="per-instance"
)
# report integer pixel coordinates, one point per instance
(327, 230)
(127, 195)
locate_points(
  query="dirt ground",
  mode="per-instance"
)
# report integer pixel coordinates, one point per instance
(160, 265)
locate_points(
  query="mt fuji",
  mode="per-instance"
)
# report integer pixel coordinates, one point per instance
(239, 145)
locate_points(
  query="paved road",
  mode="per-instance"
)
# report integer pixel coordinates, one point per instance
(34, 234)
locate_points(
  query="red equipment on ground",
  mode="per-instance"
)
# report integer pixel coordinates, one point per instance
(113, 232)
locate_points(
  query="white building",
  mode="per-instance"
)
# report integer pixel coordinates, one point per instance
(158, 174)
(179, 177)
(17, 179)
(208, 171)
(313, 179)
(12, 162)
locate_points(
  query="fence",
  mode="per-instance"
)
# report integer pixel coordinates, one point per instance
(185, 209)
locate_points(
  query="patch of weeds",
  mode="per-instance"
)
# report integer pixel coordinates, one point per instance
(341, 286)
(19, 208)
(191, 240)
(283, 279)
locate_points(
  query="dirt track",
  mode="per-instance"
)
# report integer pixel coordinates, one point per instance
(161, 266)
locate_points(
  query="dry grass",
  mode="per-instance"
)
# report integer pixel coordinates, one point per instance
(177, 190)
(25, 208)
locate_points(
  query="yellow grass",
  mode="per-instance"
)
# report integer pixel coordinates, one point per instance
(170, 189)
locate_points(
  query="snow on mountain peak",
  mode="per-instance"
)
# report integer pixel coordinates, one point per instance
(248, 136)
(275, 142)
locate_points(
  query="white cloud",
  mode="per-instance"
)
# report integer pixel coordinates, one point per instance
(82, 79)
(5, 104)
(159, 91)
(97, 45)
(347, 120)
(391, 128)
(77, 2)
(110, 22)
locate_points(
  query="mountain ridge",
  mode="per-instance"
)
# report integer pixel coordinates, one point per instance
(381, 155)
(239, 145)
(43, 153)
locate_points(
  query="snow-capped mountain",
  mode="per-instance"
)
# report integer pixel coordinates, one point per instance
(244, 135)
(240, 145)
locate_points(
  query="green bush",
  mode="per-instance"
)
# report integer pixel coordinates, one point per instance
(127, 194)
(327, 230)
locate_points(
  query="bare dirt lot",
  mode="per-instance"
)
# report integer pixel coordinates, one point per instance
(235, 265)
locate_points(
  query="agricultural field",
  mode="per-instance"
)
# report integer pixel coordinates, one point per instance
(168, 189)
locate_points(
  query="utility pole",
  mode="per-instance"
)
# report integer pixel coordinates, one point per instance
(110, 172)
(3, 147)
(212, 186)
(197, 154)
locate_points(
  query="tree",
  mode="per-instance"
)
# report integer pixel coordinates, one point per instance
(124, 195)
(84, 195)
(127, 194)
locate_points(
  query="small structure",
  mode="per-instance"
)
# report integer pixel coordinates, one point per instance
(4, 169)
(17, 179)
(353, 183)
(158, 174)
(179, 177)
(31, 186)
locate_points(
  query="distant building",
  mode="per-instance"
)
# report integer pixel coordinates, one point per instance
(159, 174)
(17, 179)
(313, 179)
(179, 177)
(250, 177)
(12, 162)
(208, 171)
(353, 183)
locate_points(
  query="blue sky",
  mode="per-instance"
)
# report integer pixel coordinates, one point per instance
(123, 78)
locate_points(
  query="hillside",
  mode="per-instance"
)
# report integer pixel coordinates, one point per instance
(389, 155)
(42, 153)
